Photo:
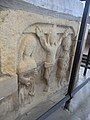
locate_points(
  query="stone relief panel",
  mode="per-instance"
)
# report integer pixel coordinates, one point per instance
(33, 55)
(52, 38)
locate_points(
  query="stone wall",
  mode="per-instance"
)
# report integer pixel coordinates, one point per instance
(36, 55)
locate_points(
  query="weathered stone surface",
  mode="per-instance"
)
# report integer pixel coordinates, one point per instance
(21, 20)
(9, 107)
(17, 57)
(36, 54)
(8, 85)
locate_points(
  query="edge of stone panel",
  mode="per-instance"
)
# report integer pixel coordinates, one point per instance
(22, 5)
(8, 84)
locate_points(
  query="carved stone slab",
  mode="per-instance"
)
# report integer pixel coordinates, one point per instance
(34, 50)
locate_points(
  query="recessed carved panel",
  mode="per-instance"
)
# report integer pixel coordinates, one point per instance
(51, 38)
(36, 55)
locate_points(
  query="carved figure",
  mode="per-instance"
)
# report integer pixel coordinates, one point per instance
(64, 59)
(50, 44)
(27, 67)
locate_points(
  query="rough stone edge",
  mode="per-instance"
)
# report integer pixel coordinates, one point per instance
(13, 113)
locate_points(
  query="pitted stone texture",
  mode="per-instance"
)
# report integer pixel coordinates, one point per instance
(9, 107)
(8, 85)
(15, 22)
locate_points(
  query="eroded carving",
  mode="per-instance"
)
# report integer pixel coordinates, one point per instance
(27, 68)
(63, 62)
(50, 42)
(50, 39)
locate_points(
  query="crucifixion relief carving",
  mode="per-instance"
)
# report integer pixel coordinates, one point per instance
(51, 38)
(50, 43)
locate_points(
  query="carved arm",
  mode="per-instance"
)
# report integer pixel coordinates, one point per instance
(65, 34)
(42, 38)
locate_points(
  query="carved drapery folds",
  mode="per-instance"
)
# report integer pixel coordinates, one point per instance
(63, 62)
(51, 38)
(27, 68)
